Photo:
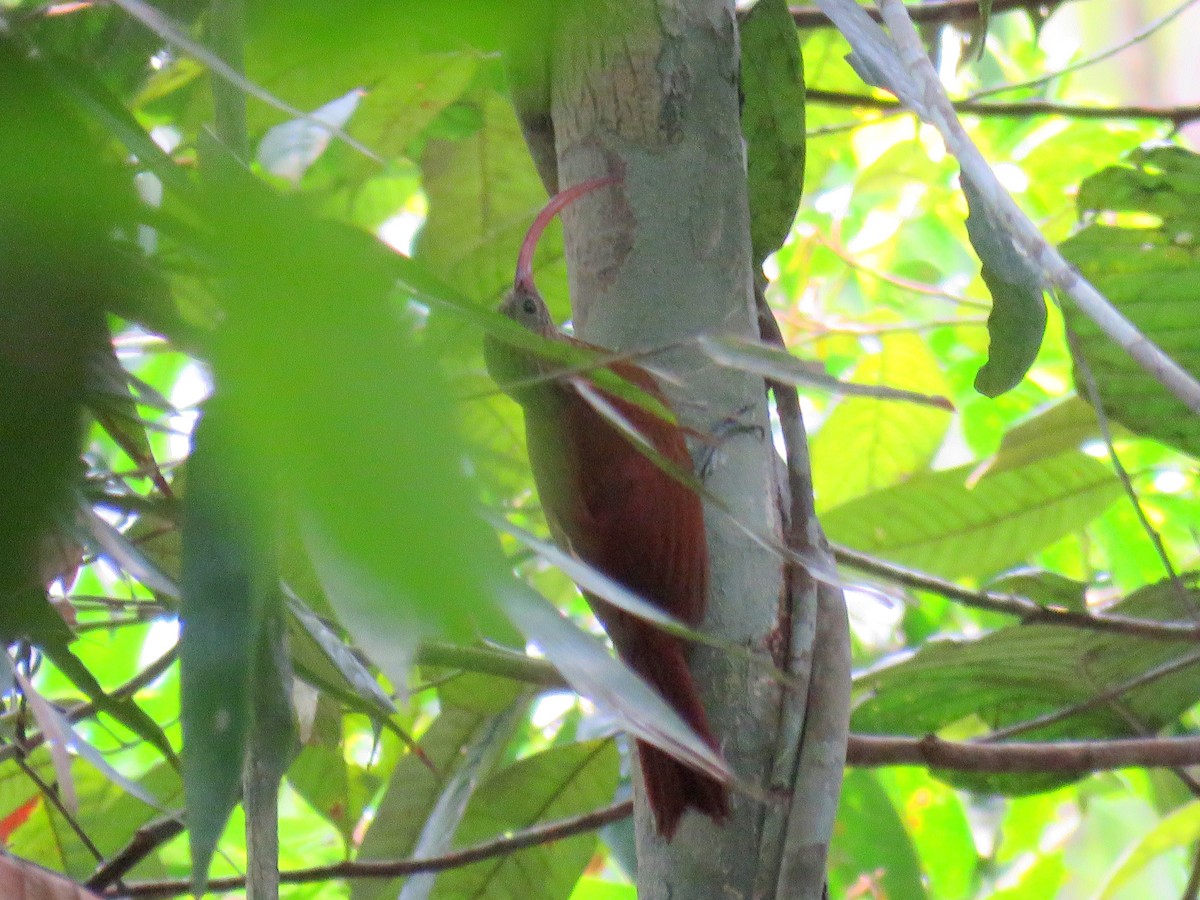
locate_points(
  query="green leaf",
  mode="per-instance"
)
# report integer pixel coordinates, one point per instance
(555, 784)
(1017, 321)
(227, 574)
(970, 685)
(598, 889)
(1150, 272)
(483, 193)
(772, 123)
(935, 817)
(1177, 831)
(308, 52)
(887, 441)
(870, 842)
(1046, 588)
(414, 790)
(329, 384)
(1064, 426)
(937, 523)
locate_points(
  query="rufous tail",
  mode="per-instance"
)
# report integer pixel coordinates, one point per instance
(671, 786)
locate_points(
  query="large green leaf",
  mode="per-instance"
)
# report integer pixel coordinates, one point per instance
(887, 441)
(773, 123)
(937, 523)
(1149, 268)
(483, 193)
(1018, 318)
(1047, 432)
(471, 713)
(1025, 671)
(310, 52)
(332, 389)
(870, 843)
(557, 783)
(227, 577)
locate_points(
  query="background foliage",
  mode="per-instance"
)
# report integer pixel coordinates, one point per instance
(349, 381)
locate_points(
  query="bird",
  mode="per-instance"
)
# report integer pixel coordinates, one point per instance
(613, 507)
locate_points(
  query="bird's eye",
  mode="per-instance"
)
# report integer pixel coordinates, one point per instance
(529, 305)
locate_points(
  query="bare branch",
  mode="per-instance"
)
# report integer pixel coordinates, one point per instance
(1066, 757)
(923, 90)
(1014, 605)
(501, 846)
(1017, 109)
(936, 12)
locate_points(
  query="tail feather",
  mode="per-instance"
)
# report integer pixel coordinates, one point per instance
(671, 786)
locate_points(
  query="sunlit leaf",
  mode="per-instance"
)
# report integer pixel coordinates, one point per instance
(937, 523)
(554, 784)
(971, 684)
(415, 792)
(772, 122)
(1149, 272)
(226, 577)
(1018, 318)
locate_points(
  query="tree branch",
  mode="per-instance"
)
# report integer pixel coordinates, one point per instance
(1014, 605)
(501, 846)
(1066, 757)
(935, 12)
(85, 710)
(1176, 115)
(918, 83)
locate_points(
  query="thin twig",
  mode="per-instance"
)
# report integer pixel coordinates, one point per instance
(52, 797)
(935, 12)
(917, 287)
(1156, 25)
(145, 841)
(85, 710)
(924, 89)
(501, 846)
(1017, 109)
(1113, 693)
(1013, 605)
(1093, 397)
(1065, 757)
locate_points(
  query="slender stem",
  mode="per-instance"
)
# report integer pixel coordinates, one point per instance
(1112, 51)
(1113, 693)
(1093, 397)
(1066, 757)
(926, 88)
(935, 12)
(1014, 605)
(52, 797)
(501, 846)
(1016, 109)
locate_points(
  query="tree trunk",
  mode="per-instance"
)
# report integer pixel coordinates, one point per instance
(648, 89)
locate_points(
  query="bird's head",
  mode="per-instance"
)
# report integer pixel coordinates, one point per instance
(525, 306)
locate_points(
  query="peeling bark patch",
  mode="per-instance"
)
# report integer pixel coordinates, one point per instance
(676, 80)
(618, 70)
